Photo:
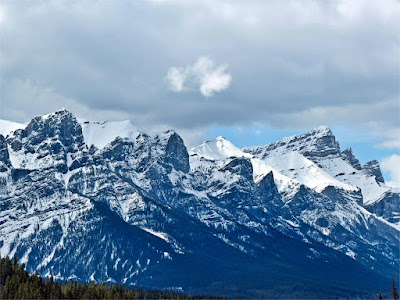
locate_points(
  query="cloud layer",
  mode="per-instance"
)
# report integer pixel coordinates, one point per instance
(202, 75)
(294, 64)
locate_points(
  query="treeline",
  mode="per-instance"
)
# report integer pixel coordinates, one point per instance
(17, 283)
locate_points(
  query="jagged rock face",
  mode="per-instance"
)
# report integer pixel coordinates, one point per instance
(241, 166)
(349, 156)
(176, 153)
(372, 168)
(387, 207)
(319, 142)
(4, 157)
(138, 209)
(46, 142)
(321, 147)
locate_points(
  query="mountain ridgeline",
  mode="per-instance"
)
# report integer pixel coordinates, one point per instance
(111, 202)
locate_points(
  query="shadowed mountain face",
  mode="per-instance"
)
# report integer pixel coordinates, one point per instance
(111, 202)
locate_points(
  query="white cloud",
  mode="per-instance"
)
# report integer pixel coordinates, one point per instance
(391, 164)
(203, 75)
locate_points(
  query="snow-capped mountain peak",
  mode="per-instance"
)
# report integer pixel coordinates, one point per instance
(218, 149)
(296, 166)
(46, 141)
(321, 131)
(318, 142)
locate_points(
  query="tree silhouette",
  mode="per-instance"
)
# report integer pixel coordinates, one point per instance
(17, 283)
(395, 294)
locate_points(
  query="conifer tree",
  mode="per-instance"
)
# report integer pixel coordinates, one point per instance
(16, 283)
(395, 294)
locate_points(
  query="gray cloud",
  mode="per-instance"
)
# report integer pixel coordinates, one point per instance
(294, 63)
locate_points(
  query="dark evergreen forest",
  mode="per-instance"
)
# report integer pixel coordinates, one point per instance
(17, 283)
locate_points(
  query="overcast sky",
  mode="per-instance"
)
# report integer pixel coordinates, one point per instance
(252, 70)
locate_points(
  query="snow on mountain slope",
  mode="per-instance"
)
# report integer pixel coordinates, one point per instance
(7, 126)
(296, 166)
(320, 147)
(344, 172)
(289, 169)
(319, 142)
(223, 151)
(311, 197)
(218, 149)
(286, 186)
(47, 141)
(100, 134)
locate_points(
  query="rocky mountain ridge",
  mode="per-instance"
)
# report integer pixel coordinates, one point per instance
(112, 202)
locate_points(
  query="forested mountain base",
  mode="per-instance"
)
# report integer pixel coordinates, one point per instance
(17, 283)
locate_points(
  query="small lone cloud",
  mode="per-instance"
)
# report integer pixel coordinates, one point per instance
(203, 75)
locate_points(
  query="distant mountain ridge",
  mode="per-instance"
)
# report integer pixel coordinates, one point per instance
(109, 201)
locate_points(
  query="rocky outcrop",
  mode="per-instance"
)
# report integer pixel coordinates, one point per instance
(319, 142)
(372, 168)
(349, 156)
(388, 207)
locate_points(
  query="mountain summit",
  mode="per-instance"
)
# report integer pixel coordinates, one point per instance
(319, 142)
(109, 201)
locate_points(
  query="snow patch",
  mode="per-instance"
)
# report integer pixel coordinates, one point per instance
(161, 235)
(101, 134)
(6, 127)
(296, 166)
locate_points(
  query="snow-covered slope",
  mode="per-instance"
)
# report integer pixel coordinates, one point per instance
(100, 134)
(300, 168)
(218, 149)
(7, 126)
(339, 169)
(223, 151)
(285, 167)
(319, 142)
(320, 146)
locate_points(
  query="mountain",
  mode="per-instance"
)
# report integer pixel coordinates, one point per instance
(320, 146)
(109, 201)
